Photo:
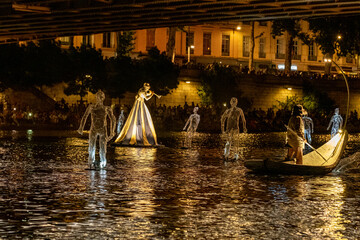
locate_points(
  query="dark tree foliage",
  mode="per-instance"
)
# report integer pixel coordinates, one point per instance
(293, 29)
(158, 70)
(26, 66)
(218, 84)
(316, 100)
(87, 71)
(121, 76)
(11, 65)
(285, 25)
(327, 30)
(125, 43)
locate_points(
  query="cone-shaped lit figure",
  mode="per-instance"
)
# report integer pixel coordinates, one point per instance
(308, 125)
(336, 122)
(232, 117)
(139, 128)
(120, 122)
(98, 128)
(191, 124)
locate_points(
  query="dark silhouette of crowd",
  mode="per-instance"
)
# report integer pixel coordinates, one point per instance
(165, 118)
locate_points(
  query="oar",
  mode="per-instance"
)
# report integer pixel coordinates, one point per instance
(305, 142)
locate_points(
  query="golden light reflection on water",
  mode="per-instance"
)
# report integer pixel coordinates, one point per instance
(166, 193)
(332, 190)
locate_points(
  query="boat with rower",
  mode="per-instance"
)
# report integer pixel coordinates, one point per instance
(318, 162)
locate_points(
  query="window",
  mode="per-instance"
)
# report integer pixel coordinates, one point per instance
(150, 38)
(349, 59)
(87, 40)
(64, 40)
(263, 23)
(262, 53)
(312, 52)
(246, 46)
(107, 40)
(225, 45)
(280, 49)
(207, 44)
(296, 51)
(189, 42)
(246, 23)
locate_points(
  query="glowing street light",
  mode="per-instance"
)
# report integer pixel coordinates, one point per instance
(339, 37)
(328, 60)
(238, 28)
(190, 47)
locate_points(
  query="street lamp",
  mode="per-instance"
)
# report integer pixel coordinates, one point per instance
(328, 60)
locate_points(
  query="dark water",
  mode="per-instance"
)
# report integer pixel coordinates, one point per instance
(167, 193)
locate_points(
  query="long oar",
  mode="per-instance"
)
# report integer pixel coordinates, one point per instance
(292, 131)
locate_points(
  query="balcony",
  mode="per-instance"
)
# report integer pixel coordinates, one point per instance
(262, 55)
(296, 57)
(280, 56)
(312, 58)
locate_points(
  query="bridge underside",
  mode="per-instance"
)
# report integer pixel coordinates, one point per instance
(41, 19)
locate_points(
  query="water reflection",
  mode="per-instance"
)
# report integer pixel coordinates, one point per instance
(167, 193)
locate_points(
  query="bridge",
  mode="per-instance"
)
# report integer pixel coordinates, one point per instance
(41, 19)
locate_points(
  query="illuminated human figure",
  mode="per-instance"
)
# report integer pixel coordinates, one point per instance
(232, 117)
(336, 121)
(139, 128)
(120, 122)
(191, 124)
(309, 126)
(98, 128)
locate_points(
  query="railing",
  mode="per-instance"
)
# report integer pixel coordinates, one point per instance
(262, 55)
(280, 56)
(296, 57)
(312, 58)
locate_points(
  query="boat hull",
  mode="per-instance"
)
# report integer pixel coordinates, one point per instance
(274, 165)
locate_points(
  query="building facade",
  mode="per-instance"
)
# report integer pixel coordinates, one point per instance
(227, 44)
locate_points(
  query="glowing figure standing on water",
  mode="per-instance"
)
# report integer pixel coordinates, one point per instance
(120, 123)
(309, 126)
(139, 128)
(336, 121)
(232, 116)
(192, 124)
(98, 128)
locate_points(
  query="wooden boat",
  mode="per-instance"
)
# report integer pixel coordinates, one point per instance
(319, 162)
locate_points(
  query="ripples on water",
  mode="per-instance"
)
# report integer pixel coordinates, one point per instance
(167, 193)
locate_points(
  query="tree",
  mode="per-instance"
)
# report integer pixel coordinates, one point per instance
(159, 71)
(33, 64)
(88, 71)
(170, 46)
(121, 76)
(125, 43)
(252, 45)
(218, 84)
(336, 35)
(291, 28)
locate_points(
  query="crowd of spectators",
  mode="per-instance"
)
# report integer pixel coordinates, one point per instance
(165, 118)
